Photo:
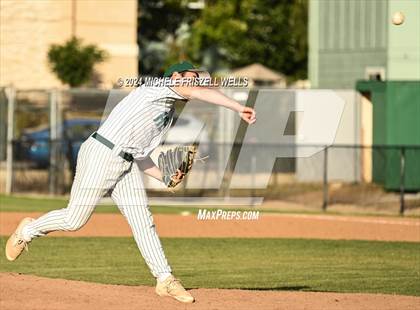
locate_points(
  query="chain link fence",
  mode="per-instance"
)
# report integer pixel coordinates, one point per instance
(42, 130)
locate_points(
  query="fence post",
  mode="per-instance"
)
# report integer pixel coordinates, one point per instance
(325, 182)
(53, 178)
(10, 134)
(402, 180)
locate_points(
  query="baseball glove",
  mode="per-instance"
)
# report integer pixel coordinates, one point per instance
(176, 163)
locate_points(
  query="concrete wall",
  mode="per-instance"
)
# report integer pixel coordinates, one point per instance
(366, 138)
(28, 28)
(113, 26)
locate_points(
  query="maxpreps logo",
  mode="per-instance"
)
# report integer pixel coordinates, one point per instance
(220, 214)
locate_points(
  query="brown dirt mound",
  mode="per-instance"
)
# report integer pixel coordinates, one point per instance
(267, 226)
(30, 292)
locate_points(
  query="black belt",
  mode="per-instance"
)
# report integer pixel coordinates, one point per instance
(110, 145)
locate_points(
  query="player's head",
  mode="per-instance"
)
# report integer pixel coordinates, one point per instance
(184, 74)
(184, 70)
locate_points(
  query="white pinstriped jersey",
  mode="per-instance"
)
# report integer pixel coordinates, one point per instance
(136, 125)
(138, 122)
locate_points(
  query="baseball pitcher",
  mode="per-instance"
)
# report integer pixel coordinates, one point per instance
(113, 159)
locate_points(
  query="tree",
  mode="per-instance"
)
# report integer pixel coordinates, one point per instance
(161, 32)
(73, 62)
(236, 33)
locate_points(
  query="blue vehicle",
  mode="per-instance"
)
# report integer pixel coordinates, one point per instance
(35, 144)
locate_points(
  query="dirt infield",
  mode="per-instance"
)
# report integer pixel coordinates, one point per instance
(267, 226)
(30, 292)
(66, 294)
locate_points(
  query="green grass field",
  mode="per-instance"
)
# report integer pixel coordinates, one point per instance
(262, 264)
(45, 204)
(30, 204)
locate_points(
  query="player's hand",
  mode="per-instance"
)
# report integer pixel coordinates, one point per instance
(178, 177)
(248, 115)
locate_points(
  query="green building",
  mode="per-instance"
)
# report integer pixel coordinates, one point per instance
(350, 40)
(353, 44)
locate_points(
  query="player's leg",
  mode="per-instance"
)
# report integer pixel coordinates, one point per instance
(130, 196)
(97, 169)
(83, 197)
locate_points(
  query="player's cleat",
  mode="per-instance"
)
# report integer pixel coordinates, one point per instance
(16, 244)
(173, 288)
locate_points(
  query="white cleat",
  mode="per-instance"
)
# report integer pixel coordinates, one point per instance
(16, 244)
(173, 288)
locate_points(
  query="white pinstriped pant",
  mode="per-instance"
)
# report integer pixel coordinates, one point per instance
(100, 170)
